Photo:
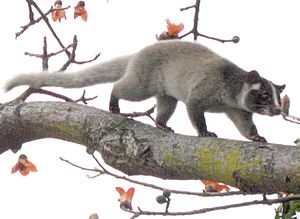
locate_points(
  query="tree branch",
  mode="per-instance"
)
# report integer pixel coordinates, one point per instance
(139, 149)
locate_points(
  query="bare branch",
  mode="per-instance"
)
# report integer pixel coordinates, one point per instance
(32, 90)
(188, 7)
(223, 207)
(84, 99)
(45, 56)
(44, 17)
(195, 31)
(87, 61)
(33, 21)
(139, 114)
(292, 119)
(71, 55)
(31, 18)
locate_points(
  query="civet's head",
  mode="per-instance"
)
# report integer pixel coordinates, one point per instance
(261, 96)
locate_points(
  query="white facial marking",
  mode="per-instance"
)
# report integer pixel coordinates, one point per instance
(255, 86)
(274, 95)
(242, 97)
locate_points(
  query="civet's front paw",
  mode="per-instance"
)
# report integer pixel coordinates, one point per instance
(258, 138)
(207, 134)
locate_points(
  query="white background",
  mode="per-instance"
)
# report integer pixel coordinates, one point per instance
(269, 32)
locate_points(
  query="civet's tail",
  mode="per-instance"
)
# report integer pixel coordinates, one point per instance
(105, 72)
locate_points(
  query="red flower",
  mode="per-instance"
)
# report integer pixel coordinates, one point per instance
(80, 11)
(125, 197)
(24, 166)
(212, 186)
(173, 29)
(58, 13)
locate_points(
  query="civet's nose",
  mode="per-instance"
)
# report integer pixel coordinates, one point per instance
(276, 111)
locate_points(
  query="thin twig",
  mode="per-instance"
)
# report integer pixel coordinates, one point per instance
(50, 54)
(235, 39)
(32, 90)
(72, 54)
(168, 204)
(33, 21)
(100, 165)
(84, 99)
(195, 31)
(139, 114)
(25, 94)
(33, 3)
(87, 61)
(79, 167)
(53, 94)
(196, 17)
(188, 7)
(30, 12)
(45, 57)
(292, 119)
(223, 207)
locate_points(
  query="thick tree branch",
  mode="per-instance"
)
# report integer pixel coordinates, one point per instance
(139, 149)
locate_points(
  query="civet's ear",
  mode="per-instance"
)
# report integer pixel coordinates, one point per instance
(279, 88)
(253, 77)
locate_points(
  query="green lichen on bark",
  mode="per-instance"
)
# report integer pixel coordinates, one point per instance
(66, 129)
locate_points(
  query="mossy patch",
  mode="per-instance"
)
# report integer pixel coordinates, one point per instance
(67, 130)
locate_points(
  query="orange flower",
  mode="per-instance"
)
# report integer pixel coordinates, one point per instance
(173, 29)
(80, 11)
(212, 186)
(24, 166)
(125, 197)
(58, 13)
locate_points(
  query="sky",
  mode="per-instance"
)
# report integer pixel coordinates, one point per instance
(269, 44)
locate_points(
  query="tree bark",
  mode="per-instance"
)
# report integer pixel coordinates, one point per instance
(139, 149)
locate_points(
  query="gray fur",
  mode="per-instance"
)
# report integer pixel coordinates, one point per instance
(105, 72)
(174, 71)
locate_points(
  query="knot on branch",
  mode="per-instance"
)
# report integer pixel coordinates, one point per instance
(12, 129)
